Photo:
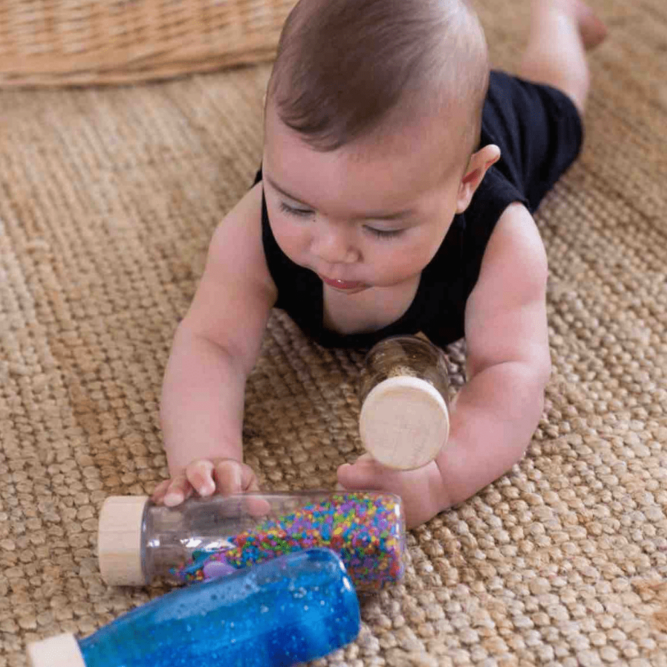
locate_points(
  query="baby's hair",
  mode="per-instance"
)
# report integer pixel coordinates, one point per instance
(344, 65)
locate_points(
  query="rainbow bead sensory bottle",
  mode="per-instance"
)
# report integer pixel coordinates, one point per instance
(286, 611)
(205, 538)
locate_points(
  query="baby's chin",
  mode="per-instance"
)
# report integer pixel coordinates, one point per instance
(350, 292)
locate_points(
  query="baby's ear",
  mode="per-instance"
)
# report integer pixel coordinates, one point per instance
(479, 164)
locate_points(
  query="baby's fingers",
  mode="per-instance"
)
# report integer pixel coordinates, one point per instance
(178, 490)
(200, 475)
(232, 476)
(160, 491)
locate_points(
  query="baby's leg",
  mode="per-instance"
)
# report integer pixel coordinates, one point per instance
(561, 32)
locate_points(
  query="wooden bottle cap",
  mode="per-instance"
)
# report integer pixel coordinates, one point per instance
(119, 540)
(404, 422)
(59, 651)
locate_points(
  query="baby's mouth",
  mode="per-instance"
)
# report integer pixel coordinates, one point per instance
(341, 284)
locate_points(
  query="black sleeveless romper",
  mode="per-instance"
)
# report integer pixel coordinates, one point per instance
(539, 132)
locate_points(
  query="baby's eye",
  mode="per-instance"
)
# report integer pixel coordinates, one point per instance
(290, 210)
(385, 233)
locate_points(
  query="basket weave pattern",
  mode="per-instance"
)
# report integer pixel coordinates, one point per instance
(79, 42)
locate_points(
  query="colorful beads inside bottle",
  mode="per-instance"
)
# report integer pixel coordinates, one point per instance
(365, 528)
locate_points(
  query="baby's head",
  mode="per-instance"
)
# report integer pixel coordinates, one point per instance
(373, 115)
(353, 69)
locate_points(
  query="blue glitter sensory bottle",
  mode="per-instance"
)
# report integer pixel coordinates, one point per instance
(288, 610)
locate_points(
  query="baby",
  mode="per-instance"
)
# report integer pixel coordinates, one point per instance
(395, 196)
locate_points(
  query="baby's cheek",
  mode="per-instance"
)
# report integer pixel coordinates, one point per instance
(407, 260)
(422, 253)
(298, 248)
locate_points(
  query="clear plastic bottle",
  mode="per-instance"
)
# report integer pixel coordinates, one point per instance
(286, 611)
(404, 391)
(204, 538)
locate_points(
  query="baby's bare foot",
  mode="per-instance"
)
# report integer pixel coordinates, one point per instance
(591, 27)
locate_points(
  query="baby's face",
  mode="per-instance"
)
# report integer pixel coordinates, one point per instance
(373, 215)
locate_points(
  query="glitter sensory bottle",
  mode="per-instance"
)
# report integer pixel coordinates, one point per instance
(404, 420)
(289, 610)
(206, 538)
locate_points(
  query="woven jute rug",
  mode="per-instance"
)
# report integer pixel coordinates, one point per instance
(108, 198)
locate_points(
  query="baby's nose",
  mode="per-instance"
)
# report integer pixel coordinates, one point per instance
(334, 246)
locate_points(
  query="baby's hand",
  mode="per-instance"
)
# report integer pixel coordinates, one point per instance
(421, 490)
(206, 477)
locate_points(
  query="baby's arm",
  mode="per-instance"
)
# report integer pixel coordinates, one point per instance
(496, 412)
(215, 348)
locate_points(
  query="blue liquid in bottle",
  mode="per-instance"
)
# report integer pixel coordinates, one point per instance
(288, 610)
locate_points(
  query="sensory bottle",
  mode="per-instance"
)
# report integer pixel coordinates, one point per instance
(404, 391)
(205, 538)
(286, 611)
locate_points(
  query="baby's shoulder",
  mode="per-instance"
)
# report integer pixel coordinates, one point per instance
(241, 227)
(515, 232)
(246, 213)
(515, 252)
(236, 247)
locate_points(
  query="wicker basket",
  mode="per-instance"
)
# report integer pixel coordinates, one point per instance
(81, 42)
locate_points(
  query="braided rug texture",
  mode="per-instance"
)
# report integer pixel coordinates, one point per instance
(108, 198)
